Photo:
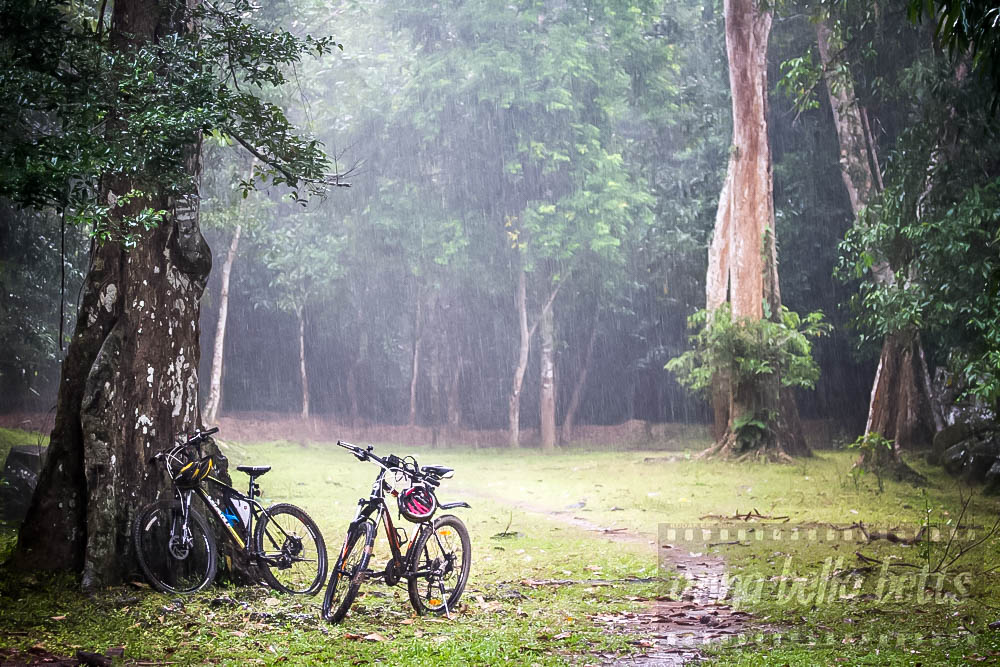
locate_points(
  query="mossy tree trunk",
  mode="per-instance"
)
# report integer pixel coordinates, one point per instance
(129, 382)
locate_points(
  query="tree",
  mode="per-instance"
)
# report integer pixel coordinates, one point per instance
(226, 214)
(158, 78)
(966, 28)
(742, 263)
(303, 255)
(901, 409)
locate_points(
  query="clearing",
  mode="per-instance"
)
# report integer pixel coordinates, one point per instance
(565, 570)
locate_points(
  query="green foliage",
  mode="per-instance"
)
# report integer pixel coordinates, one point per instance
(965, 27)
(947, 271)
(876, 457)
(92, 113)
(32, 268)
(752, 430)
(742, 351)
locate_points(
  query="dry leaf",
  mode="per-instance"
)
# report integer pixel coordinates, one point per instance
(375, 637)
(58, 618)
(406, 621)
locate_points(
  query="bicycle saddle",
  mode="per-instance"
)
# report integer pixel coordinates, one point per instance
(253, 471)
(440, 471)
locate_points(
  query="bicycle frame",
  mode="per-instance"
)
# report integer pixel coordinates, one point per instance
(244, 540)
(375, 510)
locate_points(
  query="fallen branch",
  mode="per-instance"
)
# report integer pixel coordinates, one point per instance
(534, 583)
(755, 514)
(876, 561)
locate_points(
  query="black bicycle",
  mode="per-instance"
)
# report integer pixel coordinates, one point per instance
(436, 563)
(177, 551)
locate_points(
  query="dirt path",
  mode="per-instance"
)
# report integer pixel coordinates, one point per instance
(673, 627)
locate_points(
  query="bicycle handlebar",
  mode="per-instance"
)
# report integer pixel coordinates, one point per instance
(194, 440)
(390, 462)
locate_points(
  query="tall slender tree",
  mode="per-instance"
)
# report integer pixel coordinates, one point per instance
(743, 267)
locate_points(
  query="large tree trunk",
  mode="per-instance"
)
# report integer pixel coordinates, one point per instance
(129, 381)
(547, 389)
(569, 421)
(848, 119)
(899, 396)
(717, 293)
(743, 254)
(214, 402)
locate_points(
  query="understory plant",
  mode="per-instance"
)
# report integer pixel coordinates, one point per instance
(754, 358)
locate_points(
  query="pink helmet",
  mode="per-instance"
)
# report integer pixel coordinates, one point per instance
(417, 503)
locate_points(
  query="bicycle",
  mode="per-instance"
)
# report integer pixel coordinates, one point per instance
(177, 551)
(436, 563)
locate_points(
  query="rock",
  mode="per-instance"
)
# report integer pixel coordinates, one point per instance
(17, 483)
(980, 458)
(954, 457)
(946, 438)
(992, 479)
(951, 435)
(93, 659)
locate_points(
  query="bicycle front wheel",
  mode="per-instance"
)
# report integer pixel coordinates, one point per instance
(175, 556)
(292, 548)
(439, 566)
(345, 580)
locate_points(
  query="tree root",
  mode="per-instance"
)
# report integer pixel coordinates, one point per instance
(726, 450)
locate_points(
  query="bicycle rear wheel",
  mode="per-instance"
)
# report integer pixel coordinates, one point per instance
(292, 548)
(440, 565)
(345, 579)
(176, 558)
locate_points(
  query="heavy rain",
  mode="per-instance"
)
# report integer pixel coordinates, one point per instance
(669, 331)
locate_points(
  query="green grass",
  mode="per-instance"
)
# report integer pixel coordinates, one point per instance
(15, 437)
(505, 619)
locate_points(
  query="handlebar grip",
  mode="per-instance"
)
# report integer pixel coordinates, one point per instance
(214, 429)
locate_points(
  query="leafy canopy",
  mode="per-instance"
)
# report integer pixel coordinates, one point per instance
(90, 111)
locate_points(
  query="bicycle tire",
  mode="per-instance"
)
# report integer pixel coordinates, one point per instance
(296, 542)
(345, 579)
(435, 550)
(170, 564)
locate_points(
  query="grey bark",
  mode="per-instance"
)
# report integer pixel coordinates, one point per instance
(129, 381)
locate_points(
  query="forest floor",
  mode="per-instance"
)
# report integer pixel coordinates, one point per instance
(584, 557)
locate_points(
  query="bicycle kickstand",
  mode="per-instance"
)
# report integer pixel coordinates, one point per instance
(444, 599)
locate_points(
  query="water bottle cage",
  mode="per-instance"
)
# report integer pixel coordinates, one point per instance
(255, 490)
